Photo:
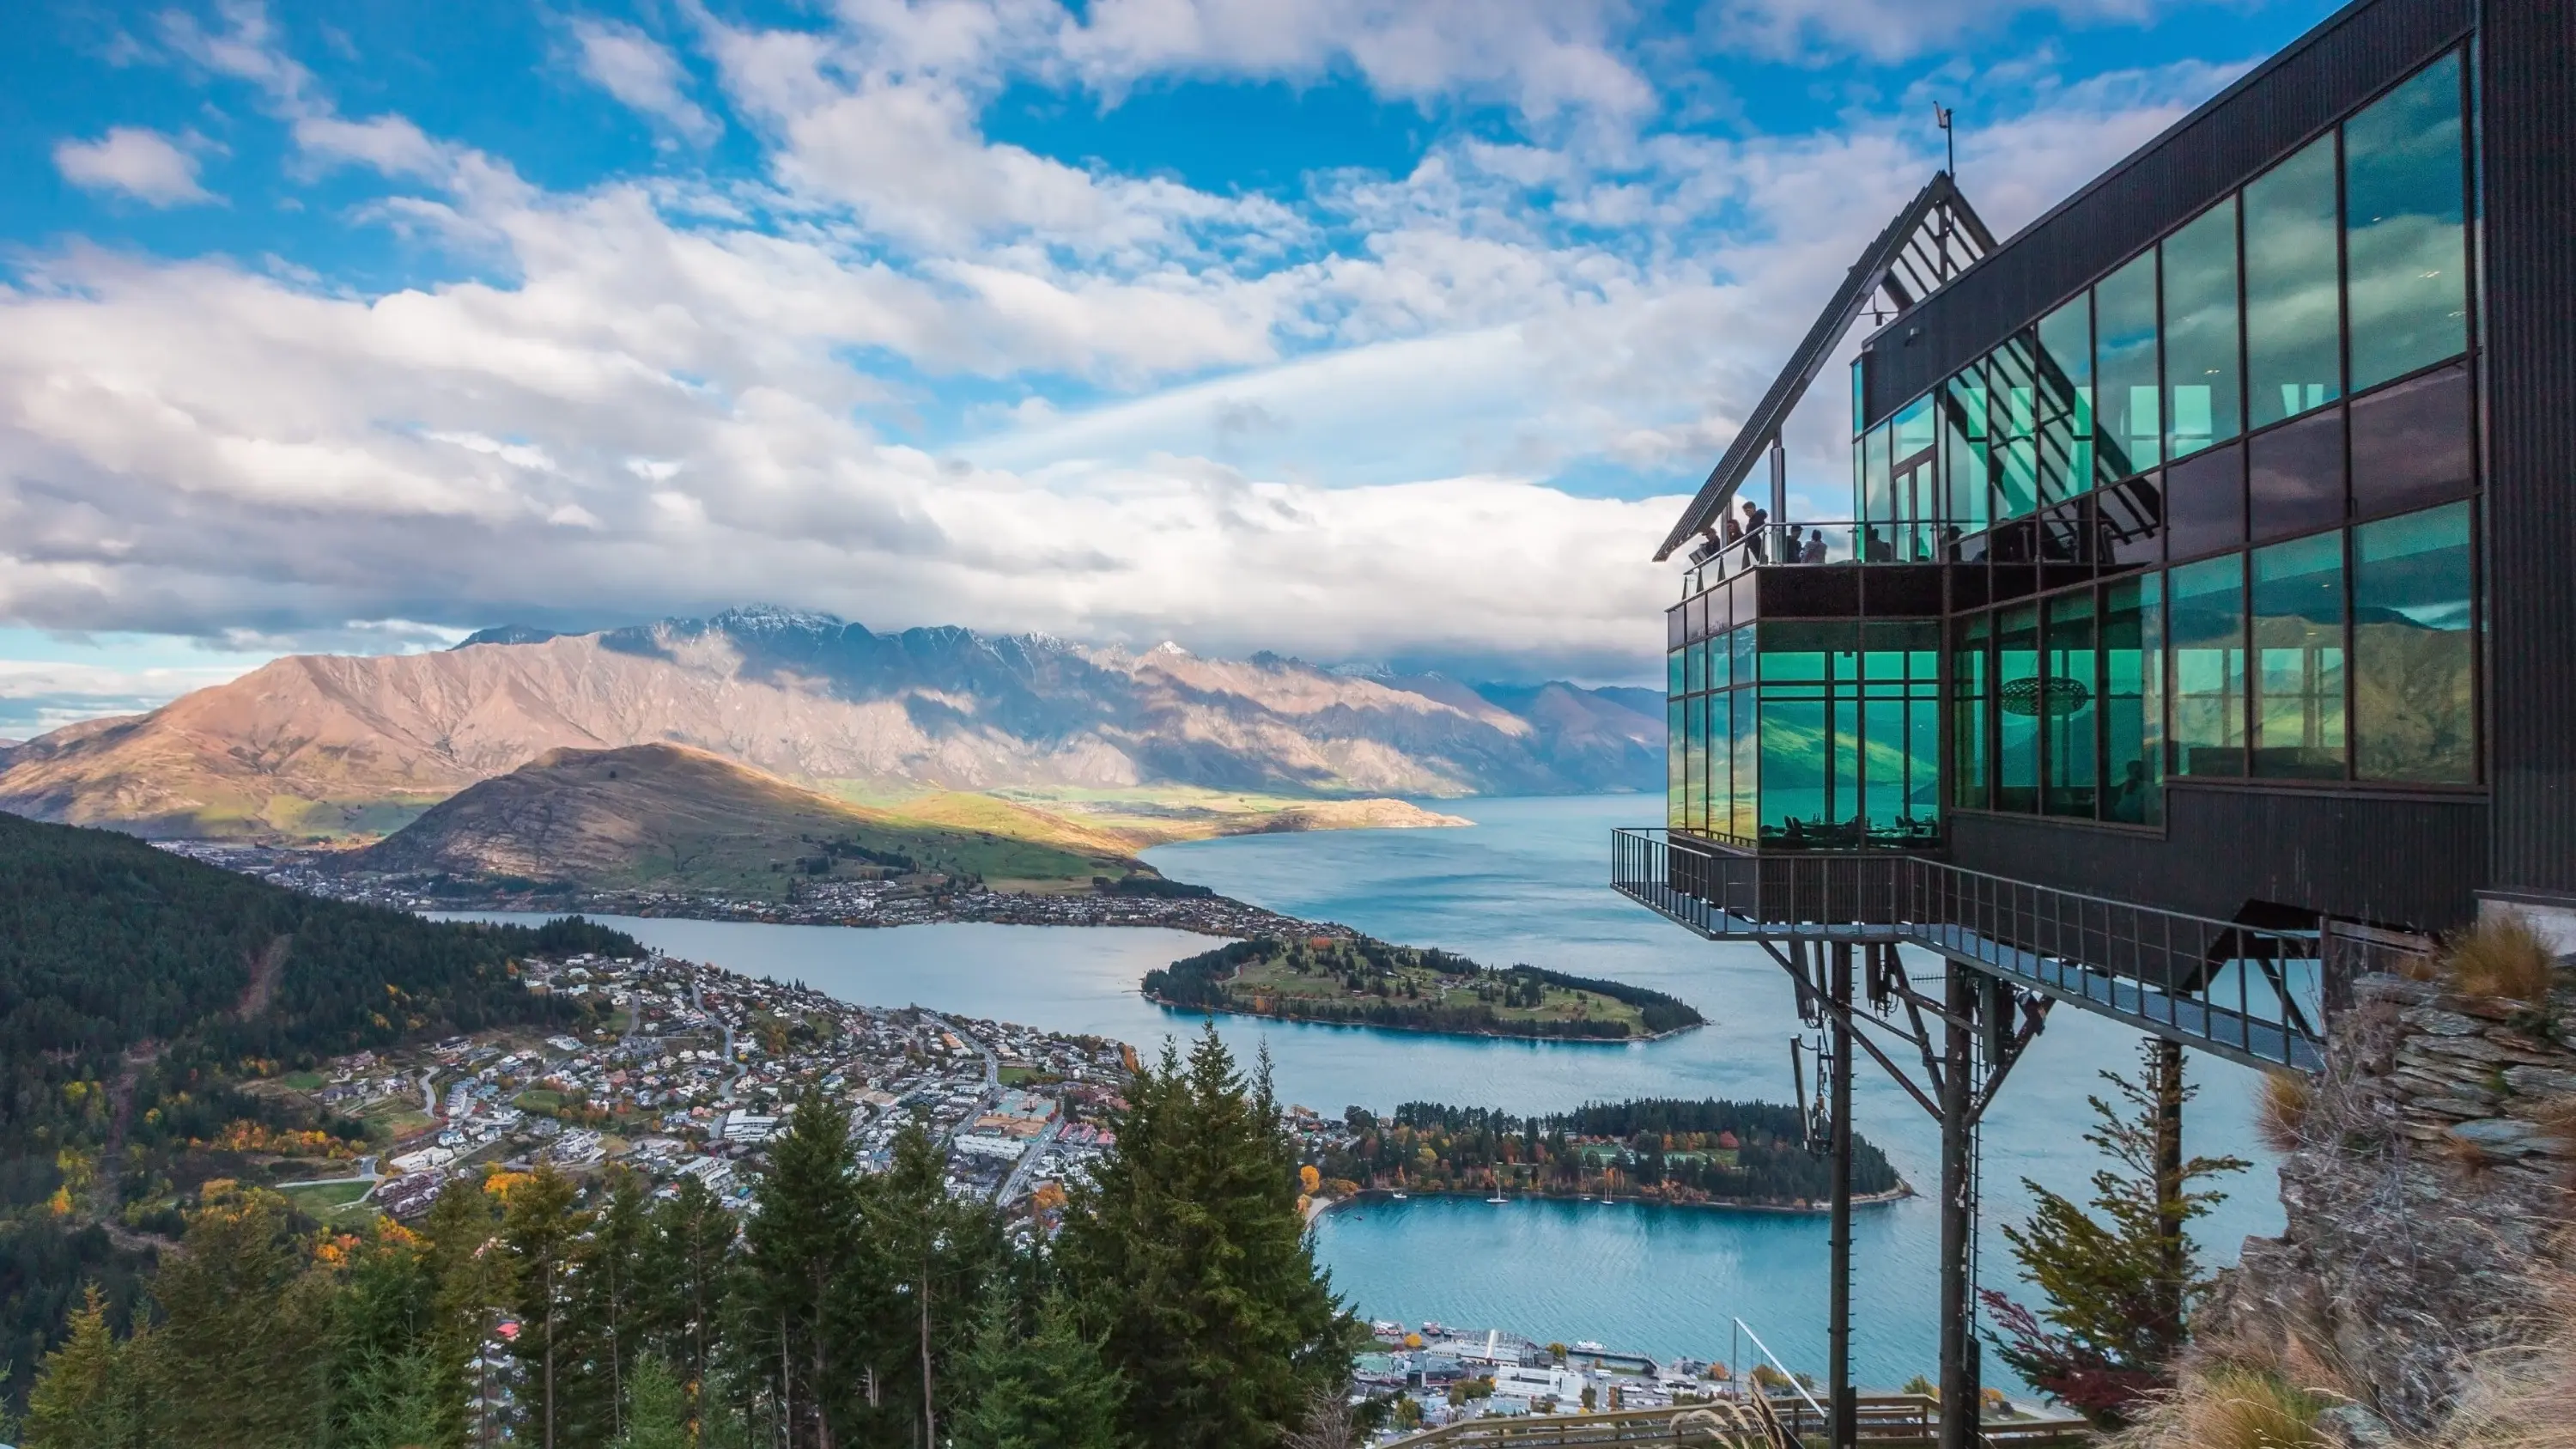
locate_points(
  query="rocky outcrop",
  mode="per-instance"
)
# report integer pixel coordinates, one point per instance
(2427, 1196)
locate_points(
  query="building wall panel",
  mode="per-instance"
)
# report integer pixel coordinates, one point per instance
(2415, 862)
(2528, 59)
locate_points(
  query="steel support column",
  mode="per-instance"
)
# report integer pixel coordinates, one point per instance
(1845, 1430)
(1958, 1213)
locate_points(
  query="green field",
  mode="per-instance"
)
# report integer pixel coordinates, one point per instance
(324, 1199)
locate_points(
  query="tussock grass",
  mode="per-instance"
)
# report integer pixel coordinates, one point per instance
(2501, 956)
(2525, 1398)
(2229, 1406)
(2281, 1109)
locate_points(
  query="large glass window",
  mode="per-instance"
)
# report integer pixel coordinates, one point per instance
(2017, 692)
(1793, 769)
(1695, 765)
(2205, 503)
(2405, 242)
(2200, 332)
(2298, 654)
(2208, 632)
(2293, 326)
(2124, 318)
(1745, 805)
(1721, 754)
(1676, 752)
(2012, 429)
(2133, 700)
(1874, 504)
(2294, 477)
(2065, 366)
(1964, 448)
(2410, 444)
(1969, 678)
(2414, 658)
(2068, 709)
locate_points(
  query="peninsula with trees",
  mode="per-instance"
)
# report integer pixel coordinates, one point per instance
(1360, 981)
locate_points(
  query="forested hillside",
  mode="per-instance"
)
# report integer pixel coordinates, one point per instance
(136, 987)
(1362, 981)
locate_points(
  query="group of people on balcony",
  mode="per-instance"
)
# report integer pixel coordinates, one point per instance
(1756, 539)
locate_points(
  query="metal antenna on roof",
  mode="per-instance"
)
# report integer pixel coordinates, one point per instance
(1949, 139)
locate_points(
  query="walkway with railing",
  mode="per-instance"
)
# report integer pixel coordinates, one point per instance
(2249, 993)
(1891, 1421)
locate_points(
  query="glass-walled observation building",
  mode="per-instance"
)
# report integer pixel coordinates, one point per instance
(2211, 540)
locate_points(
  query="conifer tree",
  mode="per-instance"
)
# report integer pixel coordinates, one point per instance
(383, 1373)
(656, 1411)
(794, 1316)
(470, 1282)
(2119, 1287)
(1038, 1383)
(542, 1231)
(608, 1293)
(87, 1394)
(1189, 1257)
(686, 1276)
(243, 1347)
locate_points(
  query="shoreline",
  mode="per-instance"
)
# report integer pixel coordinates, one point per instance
(1899, 1193)
(1600, 1041)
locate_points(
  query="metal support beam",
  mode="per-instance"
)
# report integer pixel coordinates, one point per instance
(1845, 1430)
(1958, 1216)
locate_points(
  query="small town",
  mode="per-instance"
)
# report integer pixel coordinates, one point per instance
(898, 901)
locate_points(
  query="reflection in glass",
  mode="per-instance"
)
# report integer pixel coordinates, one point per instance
(1874, 504)
(2410, 444)
(1721, 753)
(1676, 744)
(2067, 705)
(2292, 326)
(2200, 332)
(1963, 431)
(2124, 351)
(2294, 477)
(2208, 632)
(2298, 653)
(2065, 377)
(1694, 669)
(2405, 246)
(1968, 710)
(2415, 717)
(1747, 800)
(1695, 765)
(1793, 770)
(2012, 420)
(1719, 663)
(2017, 673)
(2133, 690)
(2205, 503)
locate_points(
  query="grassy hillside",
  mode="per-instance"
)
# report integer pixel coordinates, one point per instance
(667, 818)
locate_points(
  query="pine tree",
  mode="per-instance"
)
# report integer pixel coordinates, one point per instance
(687, 1273)
(2120, 1287)
(1037, 1382)
(85, 1396)
(794, 1314)
(470, 1283)
(383, 1373)
(608, 1290)
(1189, 1256)
(243, 1348)
(542, 1231)
(926, 1261)
(656, 1411)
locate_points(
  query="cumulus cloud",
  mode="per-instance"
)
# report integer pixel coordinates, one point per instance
(639, 71)
(143, 164)
(1891, 30)
(1335, 422)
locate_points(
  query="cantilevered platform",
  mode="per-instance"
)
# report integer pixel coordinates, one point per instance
(2226, 988)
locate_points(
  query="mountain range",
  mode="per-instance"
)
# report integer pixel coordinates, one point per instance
(332, 745)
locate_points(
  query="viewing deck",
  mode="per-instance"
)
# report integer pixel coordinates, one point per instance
(1890, 1421)
(2251, 994)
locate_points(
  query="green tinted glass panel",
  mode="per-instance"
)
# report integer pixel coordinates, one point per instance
(1721, 755)
(2200, 332)
(2132, 700)
(2413, 653)
(2298, 659)
(1674, 672)
(1842, 798)
(1694, 669)
(2293, 327)
(1743, 641)
(1922, 814)
(2065, 381)
(2129, 434)
(1695, 766)
(2017, 714)
(1913, 429)
(2012, 421)
(1676, 751)
(1875, 505)
(1970, 679)
(1720, 666)
(1747, 802)
(2207, 629)
(1963, 430)
(1794, 762)
(2405, 247)
(2070, 708)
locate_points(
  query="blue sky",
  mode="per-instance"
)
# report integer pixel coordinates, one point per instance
(1357, 330)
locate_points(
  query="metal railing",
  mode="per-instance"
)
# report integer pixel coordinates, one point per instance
(1756, 1421)
(1827, 541)
(2252, 993)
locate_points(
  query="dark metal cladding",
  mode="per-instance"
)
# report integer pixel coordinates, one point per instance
(2263, 116)
(2530, 319)
(2415, 862)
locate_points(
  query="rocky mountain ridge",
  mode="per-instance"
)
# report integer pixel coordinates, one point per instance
(316, 744)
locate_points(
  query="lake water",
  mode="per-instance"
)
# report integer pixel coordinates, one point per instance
(1526, 883)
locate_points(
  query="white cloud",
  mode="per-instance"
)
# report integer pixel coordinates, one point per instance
(1894, 30)
(639, 71)
(141, 163)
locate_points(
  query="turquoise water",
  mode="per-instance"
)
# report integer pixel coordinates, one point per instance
(1525, 883)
